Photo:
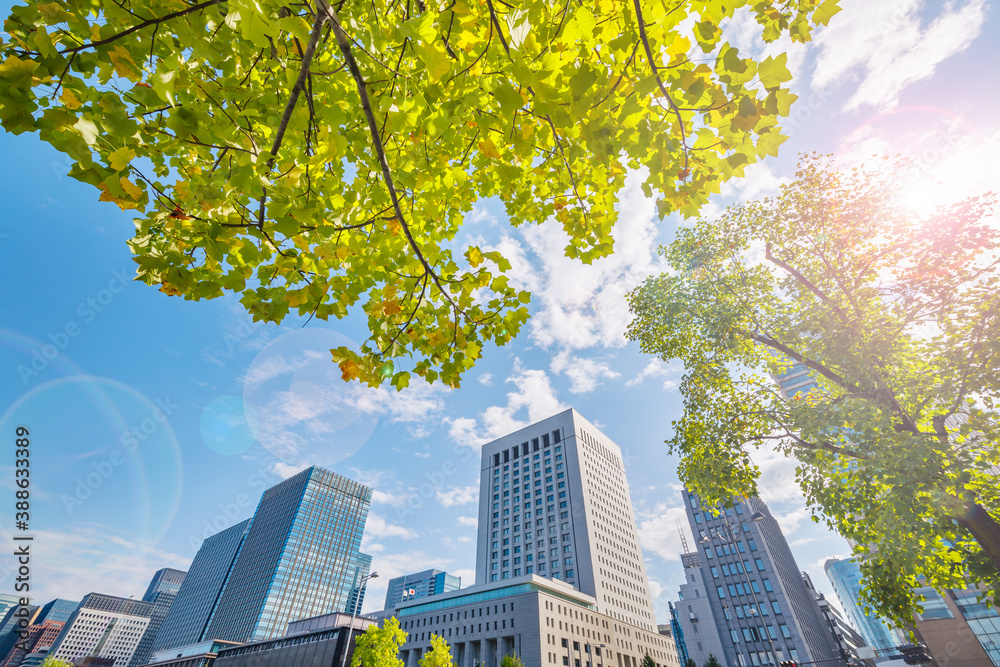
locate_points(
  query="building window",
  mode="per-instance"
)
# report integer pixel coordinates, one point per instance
(721, 591)
(934, 605)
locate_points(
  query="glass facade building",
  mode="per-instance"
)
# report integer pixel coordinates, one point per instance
(300, 557)
(161, 592)
(845, 576)
(419, 585)
(57, 610)
(187, 619)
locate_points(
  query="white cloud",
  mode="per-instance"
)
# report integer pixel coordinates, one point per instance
(468, 521)
(534, 394)
(377, 527)
(790, 521)
(659, 369)
(578, 305)
(486, 379)
(585, 374)
(888, 46)
(458, 496)
(284, 470)
(659, 533)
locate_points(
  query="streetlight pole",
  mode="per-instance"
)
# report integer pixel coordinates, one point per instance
(354, 614)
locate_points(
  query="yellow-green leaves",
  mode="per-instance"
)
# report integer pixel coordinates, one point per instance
(319, 159)
(890, 319)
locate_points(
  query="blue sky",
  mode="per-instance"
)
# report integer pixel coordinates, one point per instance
(135, 400)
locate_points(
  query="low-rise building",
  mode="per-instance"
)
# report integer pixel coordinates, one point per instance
(319, 641)
(201, 654)
(546, 622)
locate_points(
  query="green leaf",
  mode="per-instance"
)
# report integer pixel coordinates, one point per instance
(773, 72)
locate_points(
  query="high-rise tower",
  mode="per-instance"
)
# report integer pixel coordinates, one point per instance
(554, 502)
(296, 558)
(161, 592)
(763, 611)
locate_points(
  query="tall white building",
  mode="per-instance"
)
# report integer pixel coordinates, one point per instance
(554, 502)
(103, 626)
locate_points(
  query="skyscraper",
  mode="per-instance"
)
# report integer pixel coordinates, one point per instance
(187, 619)
(296, 558)
(554, 502)
(760, 604)
(357, 597)
(845, 576)
(161, 592)
(103, 626)
(420, 585)
(559, 573)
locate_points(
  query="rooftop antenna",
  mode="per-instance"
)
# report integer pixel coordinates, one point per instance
(684, 541)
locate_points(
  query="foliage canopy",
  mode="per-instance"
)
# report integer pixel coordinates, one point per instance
(511, 660)
(379, 646)
(896, 317)
(439, 655)
(319, 158)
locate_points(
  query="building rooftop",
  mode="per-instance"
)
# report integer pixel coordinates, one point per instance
(496, 590)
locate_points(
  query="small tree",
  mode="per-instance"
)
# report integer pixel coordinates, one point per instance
(53, 662)
(647, 661)
(712, 661)
(439, 655)
(379, 647)
(690, 663)
(511, 660)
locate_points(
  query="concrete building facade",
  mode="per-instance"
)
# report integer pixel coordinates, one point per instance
(103, 626)
(958, 629)
(554, 502)
(547, 622)
(694, 614)
(761, 607)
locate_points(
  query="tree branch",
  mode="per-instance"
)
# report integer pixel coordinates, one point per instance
(344, 42)
(154, 21)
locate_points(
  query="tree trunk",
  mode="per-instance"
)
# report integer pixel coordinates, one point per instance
(984, 529)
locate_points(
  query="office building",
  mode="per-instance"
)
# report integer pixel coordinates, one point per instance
(357, 598)
(694, 614)
(311, 642)
(297, 557)
(187, 618)
(15, 618)
(161, 593)
(103, 626)
(547, 622)
(762, 609)
(846, 638)
(202, 654)
(554, 502)
(420, 585)
(56, 610)
(958, 629)
(845, 577)
(40, 638)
